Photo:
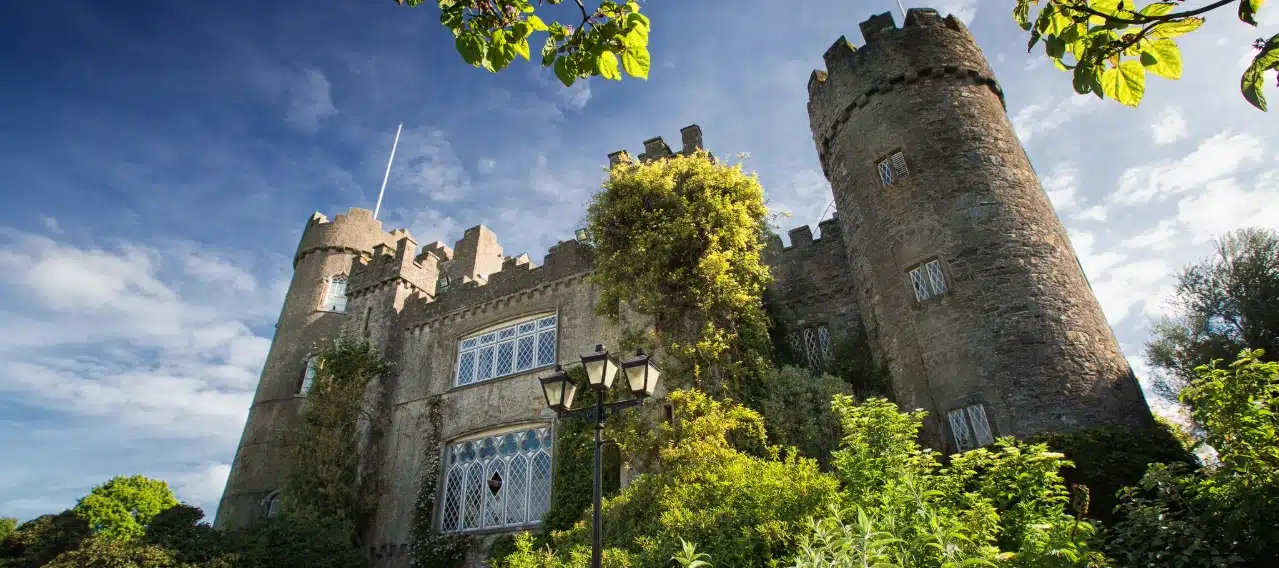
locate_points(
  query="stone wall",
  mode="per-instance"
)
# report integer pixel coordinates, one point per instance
(810, 283)
(1018, 329)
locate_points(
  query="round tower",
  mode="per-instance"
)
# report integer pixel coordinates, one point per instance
(966, 279)
(314, 309)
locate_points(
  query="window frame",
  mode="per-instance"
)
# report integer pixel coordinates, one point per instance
(531, 328)
(961, 422)
(309, 365)
(892, 167)
(331, 303)
(922, 279)
(546, 434)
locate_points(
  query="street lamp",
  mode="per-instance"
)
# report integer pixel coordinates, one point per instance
(601, 368)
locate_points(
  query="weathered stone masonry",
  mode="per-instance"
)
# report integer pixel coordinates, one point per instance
(1010, 325)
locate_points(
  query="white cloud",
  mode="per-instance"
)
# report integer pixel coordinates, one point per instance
(1170, 128)
(574, 97)
(1223, 206)
(486, 165)
(427, 164)
(965, 10)
(1161, 237)
(1218, 157)
(50, 224)
(203, 485)
(1062, 186)
(310, 101)
(1038, 118)
(1094, 213)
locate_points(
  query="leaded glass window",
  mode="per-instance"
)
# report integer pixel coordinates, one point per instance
(514, 348)
(935, 277)
(308, 376)
(796, 345)
(885, 173)
(898, 160)
(823, 341)
(497, 481)
(335, 295)
(919, 284)
(811, 349)
(970, 428)
(892, 168)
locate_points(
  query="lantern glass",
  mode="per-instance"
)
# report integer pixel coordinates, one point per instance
(580, 235)
(600, 368)
(641, 375)
(559, 390)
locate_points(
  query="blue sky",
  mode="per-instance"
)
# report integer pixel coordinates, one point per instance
(159, 161)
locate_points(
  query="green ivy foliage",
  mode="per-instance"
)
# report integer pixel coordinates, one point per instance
(1110, 45)
(323, 475)
(698, 227)
(1005, 506)
(798, 411)
(574, 471)
(721, 485)
(428, 548)
(102, 551)
(490, 34)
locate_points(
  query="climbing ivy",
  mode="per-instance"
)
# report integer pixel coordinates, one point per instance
(680, 239)
(323, 479)
(426, 547)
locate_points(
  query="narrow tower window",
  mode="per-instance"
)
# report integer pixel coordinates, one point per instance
(308, 376)
(335, 296)
(368, 315)
(810, 349)
(272, 507)
(892, 168)
(928, 280)
(823, 339)
(970, 428)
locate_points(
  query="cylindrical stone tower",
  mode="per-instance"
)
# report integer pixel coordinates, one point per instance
(314, 309)
(966, 280)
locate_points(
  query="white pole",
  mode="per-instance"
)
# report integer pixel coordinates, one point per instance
(902, 8)
(387, 175)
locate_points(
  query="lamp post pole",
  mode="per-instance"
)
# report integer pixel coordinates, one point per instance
(641, 377)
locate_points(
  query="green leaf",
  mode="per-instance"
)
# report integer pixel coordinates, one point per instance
(537, 24)
(1163, 58)
(471, 46)
(548, 52)
(636, 62)
(1054, 47)
(1157, 9)
(607, 62)
(1108, 7)
(562, 71)
(1034, 38)
(1176, 28)
(520, 31)
(1087, 79)
(1248, 10)
(521, 48)
(1021, 14)
(1125, 83)
(1254, 78)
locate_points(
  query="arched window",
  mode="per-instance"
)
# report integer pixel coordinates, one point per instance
(335, 295)
(512, 348)
(496, 481)
(271, 505)
(308, 376)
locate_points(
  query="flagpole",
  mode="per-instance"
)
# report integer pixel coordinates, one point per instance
(902, 8)
(387, 175)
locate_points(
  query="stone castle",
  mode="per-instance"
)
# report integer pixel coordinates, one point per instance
(945, 255)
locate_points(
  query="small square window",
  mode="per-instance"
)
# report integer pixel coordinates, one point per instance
(928, 280)
(892, 168)
(969, 428)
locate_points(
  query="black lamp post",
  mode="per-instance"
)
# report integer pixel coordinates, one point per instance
(641, 379)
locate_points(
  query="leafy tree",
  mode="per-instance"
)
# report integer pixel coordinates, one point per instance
(698, 226)
(101, 551)
(7, 526)
(1221, 515)
(297, 540)
(491, 33)
(122, 507)
(797, 406)
(1221, 306)
(36, 542)
(1110, 45)
(179, 530)
(1006, 506)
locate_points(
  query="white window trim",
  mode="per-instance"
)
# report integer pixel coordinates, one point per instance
(892, 168)
(332, 302)
(928, 280)
(495, 337)
(308, 375)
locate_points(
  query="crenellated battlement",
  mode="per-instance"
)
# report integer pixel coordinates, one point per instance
(355, 231)
(927, 48)
(656, 148)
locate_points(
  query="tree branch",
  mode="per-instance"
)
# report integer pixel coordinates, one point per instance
(1144, 19)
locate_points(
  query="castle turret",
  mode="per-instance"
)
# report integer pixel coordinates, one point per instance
(966, 280)
(314, 309)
